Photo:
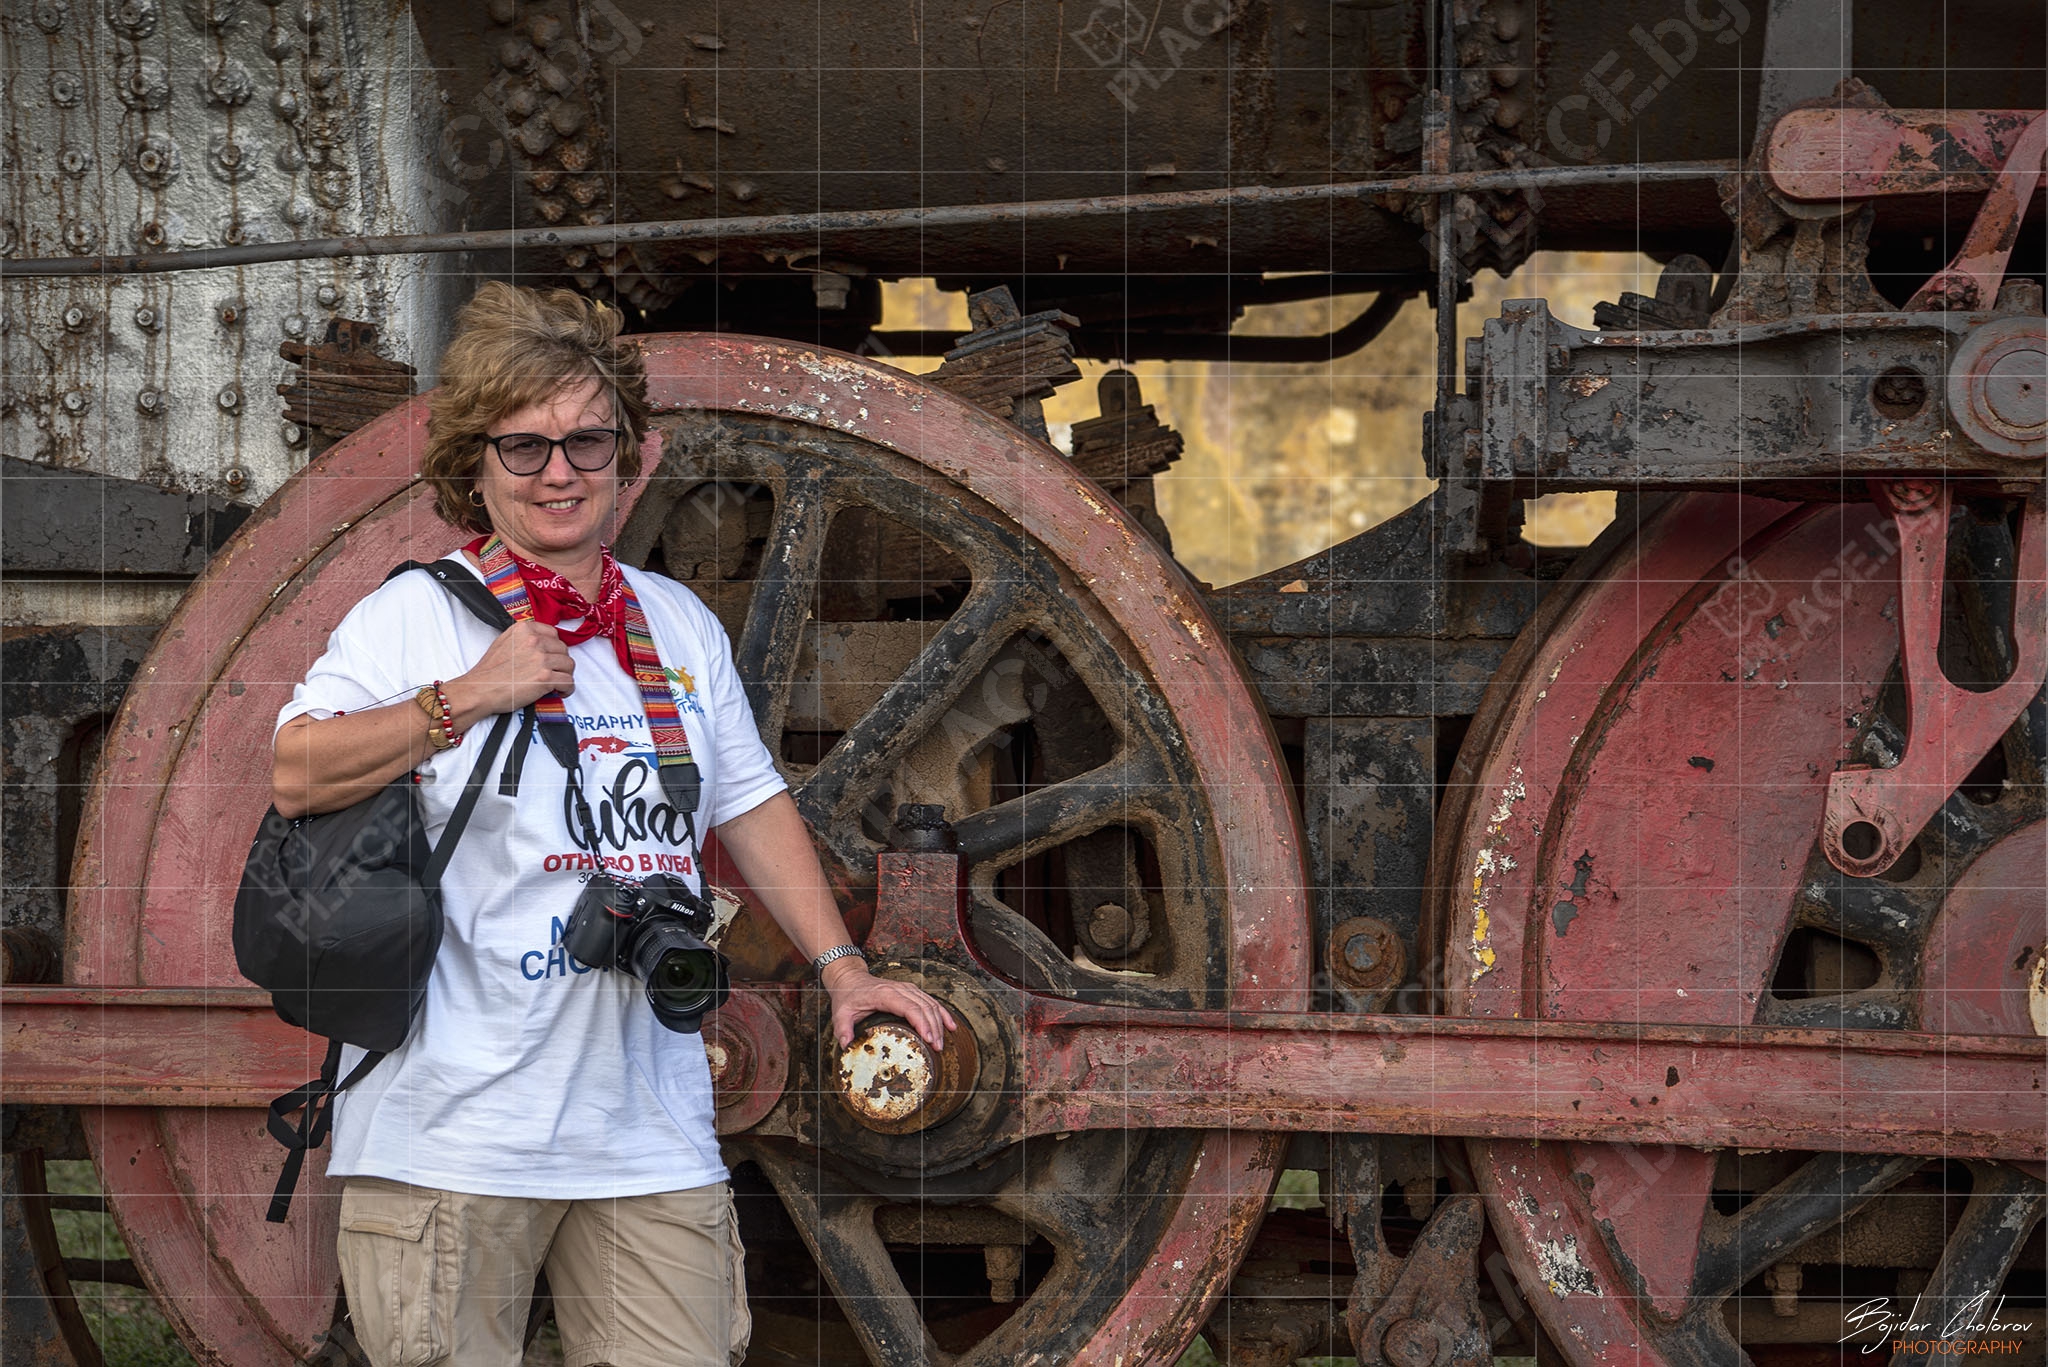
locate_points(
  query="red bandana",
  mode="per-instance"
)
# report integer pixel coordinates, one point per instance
(555, 600)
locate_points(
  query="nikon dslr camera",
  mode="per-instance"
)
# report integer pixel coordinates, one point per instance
(653, 932)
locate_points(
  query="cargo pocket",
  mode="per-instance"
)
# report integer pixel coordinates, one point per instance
(742, 1317)
(392, 1268)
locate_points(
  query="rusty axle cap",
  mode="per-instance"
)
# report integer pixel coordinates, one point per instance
(892, 1082)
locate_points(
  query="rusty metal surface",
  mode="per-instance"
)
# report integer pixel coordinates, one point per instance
(1118, 1068)
(1717, 610)
(784, 232)
(40, 1322)
(1795, 407)
(342, 382)
(1874, 813)
(1828, 155)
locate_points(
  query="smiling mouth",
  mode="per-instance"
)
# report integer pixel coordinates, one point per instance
(562, 504)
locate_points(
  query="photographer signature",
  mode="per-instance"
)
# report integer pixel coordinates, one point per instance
(1877, 1316)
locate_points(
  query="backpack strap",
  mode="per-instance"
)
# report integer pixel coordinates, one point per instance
(474, 594)
(314, 1101)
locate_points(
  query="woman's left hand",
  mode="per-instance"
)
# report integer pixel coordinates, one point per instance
(856, 993)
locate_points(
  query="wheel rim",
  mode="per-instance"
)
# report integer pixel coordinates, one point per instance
(1668, 746)
(180, 1183)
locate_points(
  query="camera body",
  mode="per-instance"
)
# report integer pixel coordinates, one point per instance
(655, 932)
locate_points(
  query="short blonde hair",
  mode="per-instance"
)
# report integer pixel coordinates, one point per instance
(515, 347)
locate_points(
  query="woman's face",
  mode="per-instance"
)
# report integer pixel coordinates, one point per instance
(560, 513)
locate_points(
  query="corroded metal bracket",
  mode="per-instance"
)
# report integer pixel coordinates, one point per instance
(1874, 814)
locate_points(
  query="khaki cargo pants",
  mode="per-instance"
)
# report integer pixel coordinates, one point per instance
(439, 1277)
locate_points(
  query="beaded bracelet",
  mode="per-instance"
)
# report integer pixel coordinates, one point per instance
(441, 732)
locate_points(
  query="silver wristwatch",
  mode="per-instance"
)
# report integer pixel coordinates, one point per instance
(836, 952)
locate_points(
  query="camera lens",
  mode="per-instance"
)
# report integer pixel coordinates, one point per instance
(685, 977)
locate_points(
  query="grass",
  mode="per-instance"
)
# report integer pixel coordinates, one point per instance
(131, 1331)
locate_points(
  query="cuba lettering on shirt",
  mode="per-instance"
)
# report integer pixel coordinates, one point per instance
(529, 1074)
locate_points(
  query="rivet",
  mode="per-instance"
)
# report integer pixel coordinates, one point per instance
(545, 29)
(294, 325)
(206, 14)
(132, 18)
(152, 235)
(148, 319)
(521, 102)
(277, 43)
(230, 86)
(320, 74)
(289, 158)
(82, 237)
(64, 88)
(75, 402)
(294, 210)
(231, 313)
(233, 233)
(328, 296)
(293, 434)
(150, 402)
(228, 159)
(154, 160)
(285, 104)
(75, 162)
(308, 20)
(229, 398)
(235, 476)
(514, 55)
(75, 318)
(536, 137)
(143, 83)
(51, 14)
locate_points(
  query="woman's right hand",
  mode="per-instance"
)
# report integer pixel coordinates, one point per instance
(527, 661)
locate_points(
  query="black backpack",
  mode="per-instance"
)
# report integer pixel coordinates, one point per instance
(339, 914)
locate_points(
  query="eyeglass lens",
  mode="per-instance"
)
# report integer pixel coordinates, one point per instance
(588, 449)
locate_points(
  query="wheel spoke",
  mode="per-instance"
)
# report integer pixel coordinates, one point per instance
(2005, 1205)
(873, 747)
(790, 566)
(1059, 811)
(1827, 1189)
(839, 1229)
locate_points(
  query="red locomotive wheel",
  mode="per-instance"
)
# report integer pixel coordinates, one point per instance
(1031, 660)
(1640, 844)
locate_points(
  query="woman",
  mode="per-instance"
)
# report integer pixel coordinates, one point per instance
(539, 1115)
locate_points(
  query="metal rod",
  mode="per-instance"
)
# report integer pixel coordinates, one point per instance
(1115, 344)
(846, 222)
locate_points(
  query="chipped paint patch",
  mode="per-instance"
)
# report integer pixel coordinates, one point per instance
(2037, 994)
(1488, 863)
(1562, 1269)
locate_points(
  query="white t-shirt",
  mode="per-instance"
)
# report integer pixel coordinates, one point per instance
(528, 1074)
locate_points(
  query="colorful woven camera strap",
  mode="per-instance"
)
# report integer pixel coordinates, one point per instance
(680, 778)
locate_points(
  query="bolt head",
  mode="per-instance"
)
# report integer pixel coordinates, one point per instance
(1410, 1343)
(294, 325)
(149, 401)
(328, 295)
(229, 398)
(75, 401)
(292, 434)
(146, 317)
(1109, 925)
(75, 318)
(235, 476)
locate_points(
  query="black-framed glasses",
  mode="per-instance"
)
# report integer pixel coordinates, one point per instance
(589, 449)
